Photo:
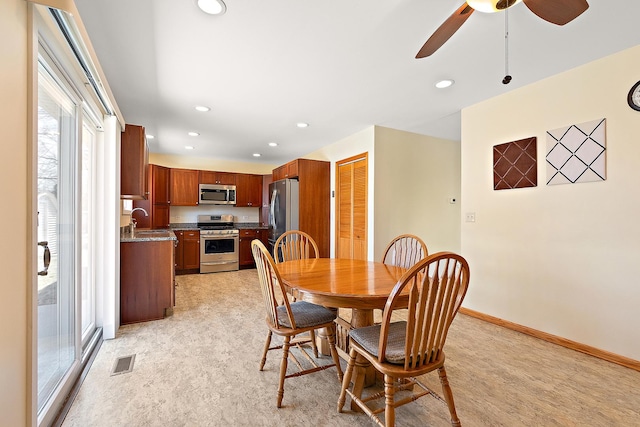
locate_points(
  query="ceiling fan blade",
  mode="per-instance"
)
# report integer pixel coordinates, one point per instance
(557, 12)
(445, 31)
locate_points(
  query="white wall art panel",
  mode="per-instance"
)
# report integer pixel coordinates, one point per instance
(577, 153)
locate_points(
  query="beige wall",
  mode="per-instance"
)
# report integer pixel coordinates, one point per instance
(207, 163)
(15, 216)
(415, 177)
(411, 177)
(562, 259)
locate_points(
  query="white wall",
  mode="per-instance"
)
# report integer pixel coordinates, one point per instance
(16, 217)
(562, 259)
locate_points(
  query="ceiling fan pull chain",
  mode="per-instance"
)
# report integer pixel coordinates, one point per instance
(507, 77)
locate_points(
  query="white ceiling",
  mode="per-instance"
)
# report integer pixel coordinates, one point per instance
(341, 66)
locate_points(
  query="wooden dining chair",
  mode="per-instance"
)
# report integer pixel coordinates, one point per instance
(294, 244)
(432, 290)
(288, 319)
(404, 251)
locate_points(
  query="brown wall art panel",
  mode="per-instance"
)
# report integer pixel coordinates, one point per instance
(515, 165)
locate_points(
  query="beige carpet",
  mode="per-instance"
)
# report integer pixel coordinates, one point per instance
(200, 368)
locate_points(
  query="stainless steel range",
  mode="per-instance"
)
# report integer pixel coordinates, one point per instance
(218, 243)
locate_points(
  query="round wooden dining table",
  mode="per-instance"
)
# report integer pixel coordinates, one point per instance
(359, 285)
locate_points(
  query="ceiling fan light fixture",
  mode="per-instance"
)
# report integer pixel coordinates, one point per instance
(444, 83)
(212, 7)
(491, 6)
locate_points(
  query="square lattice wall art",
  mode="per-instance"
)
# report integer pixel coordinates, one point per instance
(515, 165)
(577, 153)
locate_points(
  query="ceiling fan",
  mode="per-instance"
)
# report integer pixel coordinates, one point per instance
(557, 12)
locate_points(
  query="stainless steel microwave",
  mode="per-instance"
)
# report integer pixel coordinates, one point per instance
(215, 194)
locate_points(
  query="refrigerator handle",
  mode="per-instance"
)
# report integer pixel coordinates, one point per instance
(272, 207)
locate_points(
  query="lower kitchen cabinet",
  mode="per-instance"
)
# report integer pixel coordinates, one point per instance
(247, 235)
(188, 251)
(146, 280)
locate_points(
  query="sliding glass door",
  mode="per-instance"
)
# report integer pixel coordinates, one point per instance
(66, 296)
(57, 234)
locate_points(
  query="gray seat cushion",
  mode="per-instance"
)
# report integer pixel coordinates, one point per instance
(305, 315)
(369, 338)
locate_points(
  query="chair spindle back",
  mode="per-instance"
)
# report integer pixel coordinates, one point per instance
(436, 286)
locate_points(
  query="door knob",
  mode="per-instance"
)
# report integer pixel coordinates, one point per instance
(47, 258)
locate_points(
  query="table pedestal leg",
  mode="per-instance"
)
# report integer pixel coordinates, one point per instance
(364, 375)
(321, 338)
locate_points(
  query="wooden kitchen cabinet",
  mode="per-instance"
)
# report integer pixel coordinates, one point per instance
(248, 190)
(134, 163)
(187, 251)
(183, 187)
(289, 170)
(146, 280)
(314, 179)
(247, 235)
(264, 212)
(213, 177)
(157, 204)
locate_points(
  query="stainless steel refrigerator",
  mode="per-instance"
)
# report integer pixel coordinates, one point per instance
(283, 208)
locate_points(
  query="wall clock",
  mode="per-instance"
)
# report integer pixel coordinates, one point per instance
(634, 97)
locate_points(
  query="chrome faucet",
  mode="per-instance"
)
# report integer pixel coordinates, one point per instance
(132, 222)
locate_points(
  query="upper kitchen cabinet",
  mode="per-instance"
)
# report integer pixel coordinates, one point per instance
(213, 177)
(248, 190)
(289, 170)
(134, 163)
(184, 187)
(157, 204)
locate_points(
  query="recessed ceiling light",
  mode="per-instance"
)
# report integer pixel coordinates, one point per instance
(273, 144)
(212, 7)
(150, 136)
(188, 147)
(302, 125)
(444, 83)
(256, 154)
(202, 108)
(193, 134)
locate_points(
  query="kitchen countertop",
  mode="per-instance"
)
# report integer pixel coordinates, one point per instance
(241, 225)
(251, 225)
(145, 235)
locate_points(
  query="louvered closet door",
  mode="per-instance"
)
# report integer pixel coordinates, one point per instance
(351, 206)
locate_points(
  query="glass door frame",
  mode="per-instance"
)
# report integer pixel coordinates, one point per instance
(83, 344)
(49, 410)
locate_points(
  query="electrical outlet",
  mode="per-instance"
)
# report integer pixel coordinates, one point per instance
(470, 217)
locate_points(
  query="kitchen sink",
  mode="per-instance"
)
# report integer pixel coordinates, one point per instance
(152, 233)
